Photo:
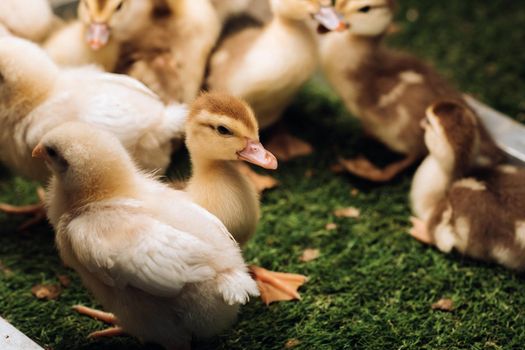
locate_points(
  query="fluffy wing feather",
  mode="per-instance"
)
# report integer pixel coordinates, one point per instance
(124, 247)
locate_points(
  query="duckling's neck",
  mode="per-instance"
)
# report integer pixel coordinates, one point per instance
(429, 186)
(363, 51)
(223, 190)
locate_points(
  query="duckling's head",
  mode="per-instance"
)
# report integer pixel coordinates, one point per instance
(120, 19)
(367, 17)
(26, 73)
(321, 10)
(84, 158)
(451, 134)
(222, 127)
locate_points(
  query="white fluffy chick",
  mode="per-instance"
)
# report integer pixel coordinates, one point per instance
(29, 19)
(165, 267)
(36, 96)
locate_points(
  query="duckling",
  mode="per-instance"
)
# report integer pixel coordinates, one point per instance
(37, 96)
(28, 19)
(221, 130)
(478, 211)
(99, 33)
(171, 54)
(387, 90)
(257, 9)
(266, 66)
(166, 269)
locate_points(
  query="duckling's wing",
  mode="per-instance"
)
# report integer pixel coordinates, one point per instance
(128, 83)
(121, 246)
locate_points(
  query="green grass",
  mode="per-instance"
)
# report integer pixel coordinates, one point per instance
(372, 286)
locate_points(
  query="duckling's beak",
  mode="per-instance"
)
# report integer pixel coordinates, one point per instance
(39, 152)
(329, 20)
(97, 35)
(256, 153)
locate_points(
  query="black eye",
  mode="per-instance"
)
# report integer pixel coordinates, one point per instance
(221, 129)
(119, 6)
(365, 9)
(51, 152)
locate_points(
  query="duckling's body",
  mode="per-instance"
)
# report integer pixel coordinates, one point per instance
(387, 90)
(28, 19)
(480, 212)
(265, 66)
(228, 195)
(170, 55)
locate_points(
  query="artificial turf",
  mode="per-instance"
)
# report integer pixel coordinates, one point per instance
(372, 286)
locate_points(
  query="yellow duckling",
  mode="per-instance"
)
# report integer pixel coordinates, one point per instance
(267, 65)
(97, 36)
(220, 131)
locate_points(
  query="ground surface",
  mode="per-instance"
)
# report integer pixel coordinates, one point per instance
(372, 286)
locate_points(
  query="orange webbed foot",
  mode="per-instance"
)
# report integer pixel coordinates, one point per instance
(277, 286)
(105, 317)
(420, 231)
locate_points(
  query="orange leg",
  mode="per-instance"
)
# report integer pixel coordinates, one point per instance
(277, 286)
(101, 316)
(37, 210)
(420, 231)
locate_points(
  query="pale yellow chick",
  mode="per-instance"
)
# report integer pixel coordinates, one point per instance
(167, 269)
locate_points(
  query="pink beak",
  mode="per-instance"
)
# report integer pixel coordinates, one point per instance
(97, 35)
(330, 19)
(255, 153)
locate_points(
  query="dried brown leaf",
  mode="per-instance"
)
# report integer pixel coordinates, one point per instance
(5, 270)
(46, 291)
(331, 226)
(64, 280)
(350, 212)
(443, 304)
(291, 343)
(261, 182)
(337, 168)
(309, 255)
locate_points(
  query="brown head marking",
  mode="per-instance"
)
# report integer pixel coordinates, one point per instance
(225, 105)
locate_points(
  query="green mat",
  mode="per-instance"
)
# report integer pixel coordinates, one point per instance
(372, 286)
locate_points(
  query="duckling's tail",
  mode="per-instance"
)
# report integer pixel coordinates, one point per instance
(236, 286)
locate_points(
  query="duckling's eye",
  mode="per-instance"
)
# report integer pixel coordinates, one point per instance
(119, 6)
(221, 129)
(51, 152)
(365, 9)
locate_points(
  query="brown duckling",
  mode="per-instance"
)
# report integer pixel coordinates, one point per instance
(387, 90)
(480, 212)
